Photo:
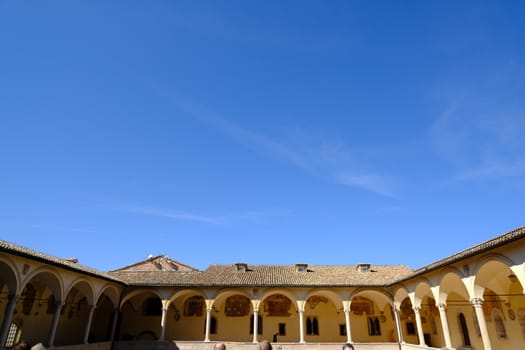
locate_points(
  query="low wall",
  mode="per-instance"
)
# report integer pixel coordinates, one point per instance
(188, 345)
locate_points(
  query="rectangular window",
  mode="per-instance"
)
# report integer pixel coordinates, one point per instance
(342, 330)
(374, 327)
(411, 329)
(282, 328)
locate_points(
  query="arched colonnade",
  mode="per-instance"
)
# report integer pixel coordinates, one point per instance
(478, 303)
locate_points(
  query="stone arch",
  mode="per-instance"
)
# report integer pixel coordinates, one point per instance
(451, 281)
(85, 287)
(134, 293)
(480, 263)
(231, 311)
(78, 304)
(278, 309)
(373, 322)
(382, 298)
(400, 293)
(421, 290)
(492, 272)
(180, 325)
(185, 292)
(141, 312)
(9, 277)
(110, 292)
(324, 316)
(40, 294)
(106, 310)
(49, 278)
(335, 297)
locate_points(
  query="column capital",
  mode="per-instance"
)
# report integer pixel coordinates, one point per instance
(416, 309)
(442, 306)
(477, 302)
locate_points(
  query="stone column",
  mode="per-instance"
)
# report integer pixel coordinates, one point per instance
(255, 325)
(478, 308)
(114, 324)
(208, 321)
(398, 326)
(88, 324)
(54, 323)
(419, 325)
(444, 324)
(348, 326)
(8, 317)
(301, 326)
(163, 323)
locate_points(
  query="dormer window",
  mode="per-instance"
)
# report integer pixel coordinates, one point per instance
(301, 267)
(241, 267)
(363, 268)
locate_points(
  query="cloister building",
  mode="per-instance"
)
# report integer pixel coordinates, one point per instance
(471, 300)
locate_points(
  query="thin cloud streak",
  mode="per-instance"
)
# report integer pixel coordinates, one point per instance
(254, 216)
(177, 215)
(371, 182)
(482, 144)
(50, 227)
(324, 161)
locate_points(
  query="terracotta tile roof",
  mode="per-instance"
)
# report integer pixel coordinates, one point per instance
(159, 262)
(65, 263)
(501, 240)
(269, 276)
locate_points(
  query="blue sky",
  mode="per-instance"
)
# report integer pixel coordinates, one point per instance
(266, 132)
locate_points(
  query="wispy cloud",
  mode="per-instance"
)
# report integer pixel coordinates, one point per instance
(371, 182)
(50, 227)
(481, 131)
(481, 143)
(253, 216)
(325, 159)
(171, 214)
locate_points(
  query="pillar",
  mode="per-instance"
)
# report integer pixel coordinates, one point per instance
(419, 325)
(444, 324)
(10, 309)
(255, 325)
(88, 324)
(163, 323)
(208, 321)
(54, 323)
(398, 326)
(348, 327)
(301, 326)
(478, 308)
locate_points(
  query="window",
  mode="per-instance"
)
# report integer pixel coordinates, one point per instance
(312, 326)
(374, 327)
(282, 328)
(13, 335)
(342, 330)
(411, 329)
(213, 325)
